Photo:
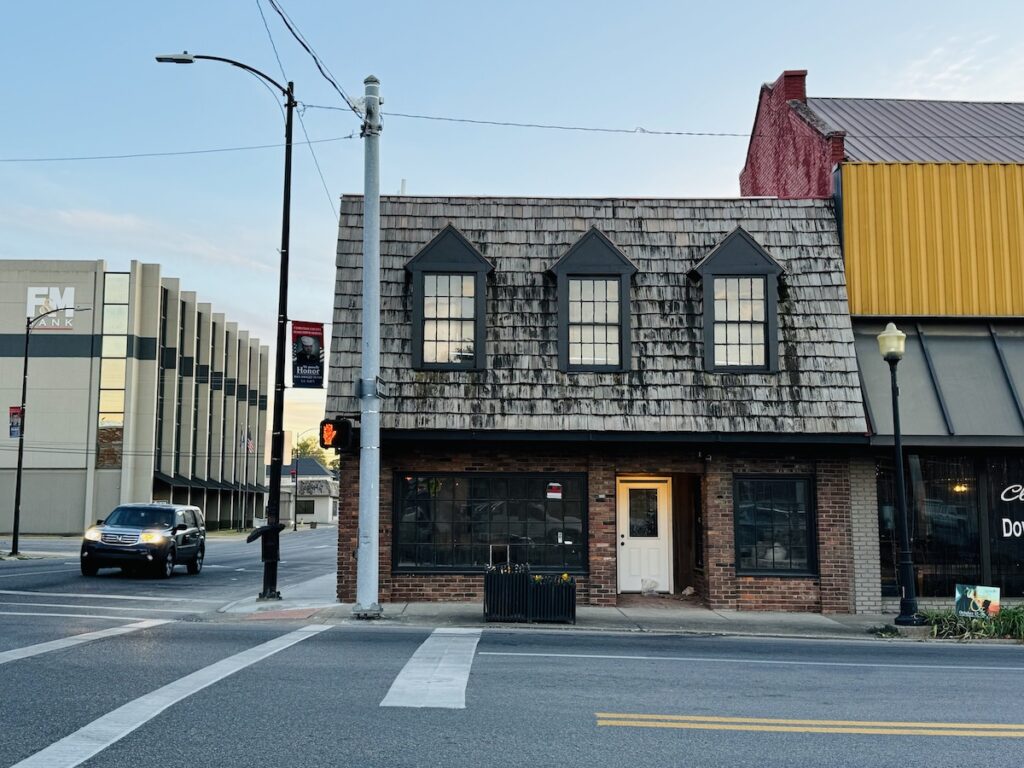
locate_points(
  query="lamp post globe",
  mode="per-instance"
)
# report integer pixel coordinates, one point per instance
(892, 346)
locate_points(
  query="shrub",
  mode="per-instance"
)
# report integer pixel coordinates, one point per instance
(1008, 623)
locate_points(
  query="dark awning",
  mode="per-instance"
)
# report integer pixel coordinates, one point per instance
(958, 382)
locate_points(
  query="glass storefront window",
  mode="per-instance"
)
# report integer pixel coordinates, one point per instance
(1006, 524)
(453, 522)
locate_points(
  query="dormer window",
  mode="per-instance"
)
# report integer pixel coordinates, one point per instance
(593, 305)
(740, 288)
(449, 279)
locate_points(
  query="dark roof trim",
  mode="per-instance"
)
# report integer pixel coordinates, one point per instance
(935, 379)
(732, 438)
(737, 254)
(449, 251)
(1014, 393)
(593, 254)
(951, 441)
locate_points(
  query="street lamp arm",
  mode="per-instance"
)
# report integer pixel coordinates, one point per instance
(284, 91)
(31, 321)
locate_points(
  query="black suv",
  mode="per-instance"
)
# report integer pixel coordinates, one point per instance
(153, 537)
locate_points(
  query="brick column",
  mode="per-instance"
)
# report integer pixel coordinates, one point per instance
(835, 537)
(719, 544)
(867, 575)
(348, 527)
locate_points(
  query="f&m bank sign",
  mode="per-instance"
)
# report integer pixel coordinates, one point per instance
(41, 300)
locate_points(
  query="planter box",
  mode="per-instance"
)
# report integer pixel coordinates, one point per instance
(514, 594)
(505, 594)
(552, 600)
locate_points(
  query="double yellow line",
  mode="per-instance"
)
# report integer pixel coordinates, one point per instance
(775, 725)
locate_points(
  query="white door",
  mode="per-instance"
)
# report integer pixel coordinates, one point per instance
(644, 535)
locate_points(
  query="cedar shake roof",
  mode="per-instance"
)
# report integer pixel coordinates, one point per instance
(919, 131)
(816, 390)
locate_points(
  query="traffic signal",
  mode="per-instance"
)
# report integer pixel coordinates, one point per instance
(336, 433)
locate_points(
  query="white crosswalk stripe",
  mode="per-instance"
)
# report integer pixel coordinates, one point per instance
(93, 738)
(68, 642)
(437, 674)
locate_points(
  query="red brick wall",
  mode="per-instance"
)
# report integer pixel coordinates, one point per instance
(718, 584)
(831, 591)
(786, 156)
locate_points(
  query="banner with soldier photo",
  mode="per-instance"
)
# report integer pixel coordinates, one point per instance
(307, 355)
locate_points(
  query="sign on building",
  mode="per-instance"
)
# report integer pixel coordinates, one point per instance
(307, 355)
(41, 300)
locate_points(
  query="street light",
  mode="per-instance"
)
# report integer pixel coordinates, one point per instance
(270, 534)
(30, 323)
(891, 344)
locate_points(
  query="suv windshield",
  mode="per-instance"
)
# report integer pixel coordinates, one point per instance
(141, 517)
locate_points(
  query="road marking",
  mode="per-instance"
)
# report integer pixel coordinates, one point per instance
(90, 596)
(35, 573)
(722, 660)
(73, 615)
(776, 725)
(437, 674)
(104, 607)
(68, 642)
(93, 738)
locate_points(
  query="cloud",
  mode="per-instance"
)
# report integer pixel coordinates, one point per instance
(982, 69)
(112, 233)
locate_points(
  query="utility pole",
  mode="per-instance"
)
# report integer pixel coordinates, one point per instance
(368, 553)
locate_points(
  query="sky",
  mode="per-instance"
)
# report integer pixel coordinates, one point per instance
(81, 81)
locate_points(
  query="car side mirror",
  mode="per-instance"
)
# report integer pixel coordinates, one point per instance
(99, 522)
(180, 527)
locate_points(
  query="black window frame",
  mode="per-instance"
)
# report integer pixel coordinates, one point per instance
(396, 500)
(594, 257)
(813, 569)
(450, 253)
(739, 255)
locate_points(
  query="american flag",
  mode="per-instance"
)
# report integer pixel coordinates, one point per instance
(250, 447)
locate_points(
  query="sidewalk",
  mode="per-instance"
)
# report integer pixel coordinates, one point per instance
(314, 599)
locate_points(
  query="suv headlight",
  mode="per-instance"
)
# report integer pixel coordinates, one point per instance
(152, 537)
(93, 534)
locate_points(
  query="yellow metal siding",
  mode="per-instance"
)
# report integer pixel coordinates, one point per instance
(934, 239)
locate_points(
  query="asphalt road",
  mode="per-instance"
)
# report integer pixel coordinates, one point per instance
(232, 570)
(250, 693)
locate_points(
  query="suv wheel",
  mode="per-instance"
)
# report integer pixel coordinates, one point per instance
(196, 564)
(89, 569)
(165, 567)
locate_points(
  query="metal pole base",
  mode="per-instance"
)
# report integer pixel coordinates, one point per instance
(268, 596)
(909, 620)
(372, 612)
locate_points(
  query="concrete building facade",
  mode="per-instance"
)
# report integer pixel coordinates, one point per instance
(149, 394)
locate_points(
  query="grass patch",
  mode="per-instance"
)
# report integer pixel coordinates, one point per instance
(1007, 624)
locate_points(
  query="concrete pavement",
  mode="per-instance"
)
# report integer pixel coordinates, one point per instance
(314, 599)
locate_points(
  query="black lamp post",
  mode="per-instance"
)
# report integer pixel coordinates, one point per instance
(891, 344)
(30, 323)
(270, 534)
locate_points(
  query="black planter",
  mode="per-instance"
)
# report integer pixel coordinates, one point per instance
(552, 599)
(506, 594)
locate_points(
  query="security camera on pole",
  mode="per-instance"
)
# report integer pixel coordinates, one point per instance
(367, 555)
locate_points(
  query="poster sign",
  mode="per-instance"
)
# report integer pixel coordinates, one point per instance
(307, 355)
(974, 602)
(555, 491)
(15, 413)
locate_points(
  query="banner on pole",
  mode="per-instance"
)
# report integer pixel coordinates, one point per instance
(15, 413)
(307, 355)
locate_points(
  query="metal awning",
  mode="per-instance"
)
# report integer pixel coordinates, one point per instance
(960, 382)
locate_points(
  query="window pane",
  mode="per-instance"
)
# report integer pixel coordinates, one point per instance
(451, 521)
(115, 346)
(115, 288)
(115, 319)
(468, 286)
(758, 288)
(772, 524)
(111, 420)
(112, 374)
(643, 512)
(112, 400)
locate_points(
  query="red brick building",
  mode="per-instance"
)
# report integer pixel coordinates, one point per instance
(648, 394)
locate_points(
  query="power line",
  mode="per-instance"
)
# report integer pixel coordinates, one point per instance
(166, 154)
(302, 123)
(640, 130)
(324, 71)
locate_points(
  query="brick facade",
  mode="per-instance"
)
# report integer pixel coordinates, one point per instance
(789, 156)
(864, 517)
(831, 591)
